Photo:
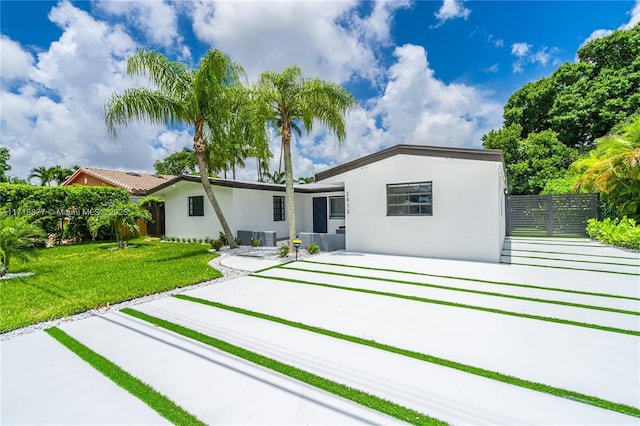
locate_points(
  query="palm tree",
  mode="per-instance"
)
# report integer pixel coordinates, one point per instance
(308, 179)
(60, 174)
(122, 218)
(613, 168)
(202, 98)
(287, 100)
(43, 174)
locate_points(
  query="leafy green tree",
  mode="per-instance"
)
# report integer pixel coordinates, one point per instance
(287, 101)
(4, 163)
(583, 101)
(276, 177)
(16, 239)
(178, 163)
(613, 169)
(121, 218)
(202, 98)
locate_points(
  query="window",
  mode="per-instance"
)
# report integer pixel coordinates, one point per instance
(409, 199)
(196, 206)
(336, 207)
(278, 208)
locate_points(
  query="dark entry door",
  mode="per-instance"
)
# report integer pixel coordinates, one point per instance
(320, 215)
(156, 228)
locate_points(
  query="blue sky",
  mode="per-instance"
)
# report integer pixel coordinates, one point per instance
(424, 72)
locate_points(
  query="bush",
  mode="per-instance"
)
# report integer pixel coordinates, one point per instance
(313, 249)
(222, 237)
(216, 244)
(16, 239)
(238, 241)
(283, 250)
(619, 232)
(255, 242)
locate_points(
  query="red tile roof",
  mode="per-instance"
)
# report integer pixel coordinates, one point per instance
(134, 182)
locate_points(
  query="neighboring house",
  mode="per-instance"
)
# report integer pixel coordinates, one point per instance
(405, 200)
(138, 185)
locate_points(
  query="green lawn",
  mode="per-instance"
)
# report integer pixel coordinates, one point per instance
(73, 279)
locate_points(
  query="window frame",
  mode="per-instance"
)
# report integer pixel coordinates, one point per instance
(279, 214)
(193, 210)
(413, 208)
(332, 215)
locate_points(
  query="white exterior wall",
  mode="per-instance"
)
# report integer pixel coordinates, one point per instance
(179, 224)
(468, 209)
(253, 211)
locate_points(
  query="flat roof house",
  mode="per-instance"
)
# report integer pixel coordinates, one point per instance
(424, 201)
(406, 200)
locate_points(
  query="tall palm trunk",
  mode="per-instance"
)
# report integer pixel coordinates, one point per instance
(288, 180)
(198, 147)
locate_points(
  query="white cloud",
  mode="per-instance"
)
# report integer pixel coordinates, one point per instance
(56, 116)
(497, 42)
(321, 38)
(526, 55)
(15, 62)
(520, 49)
(156, 19)
(452, 9)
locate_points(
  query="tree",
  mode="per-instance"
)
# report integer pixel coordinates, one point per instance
(287, 100)
(16, 239)
(121, 218)
(308, 179)
(4, 163)
(202, 98)
(276, 177)
(44, 174)
(178, 163)
(583, 101)
(613, 168)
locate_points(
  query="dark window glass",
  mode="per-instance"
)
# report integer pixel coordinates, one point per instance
(409, 199)
(278, 208)
(196, 206)
(336, 207)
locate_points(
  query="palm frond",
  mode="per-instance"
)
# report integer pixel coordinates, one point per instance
(169, 76)
(143, 105)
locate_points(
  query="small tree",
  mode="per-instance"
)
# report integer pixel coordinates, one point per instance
(16, 239)
(121, 218)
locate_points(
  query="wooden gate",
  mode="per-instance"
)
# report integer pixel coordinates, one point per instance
(563, 215)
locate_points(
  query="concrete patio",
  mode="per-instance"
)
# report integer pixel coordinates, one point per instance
(512, 331)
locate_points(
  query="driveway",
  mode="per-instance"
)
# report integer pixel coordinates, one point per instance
(550, 336)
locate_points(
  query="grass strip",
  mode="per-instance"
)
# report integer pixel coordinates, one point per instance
(571, 254)
(279, 265)
(493, 375)
(464, 290)
(154, 399)
(355, 395)
(478, 280)
(587, 244)
(572, 269)
(456, 305)
(570, 260)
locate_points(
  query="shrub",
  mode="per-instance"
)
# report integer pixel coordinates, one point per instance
(313, 249)
(283, 250)
(238, 241)
(222, 237)
(122, 218)
(620, 232)
(216, 244)
(255, 242)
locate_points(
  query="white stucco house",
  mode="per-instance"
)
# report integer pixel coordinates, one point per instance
(406, 200)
